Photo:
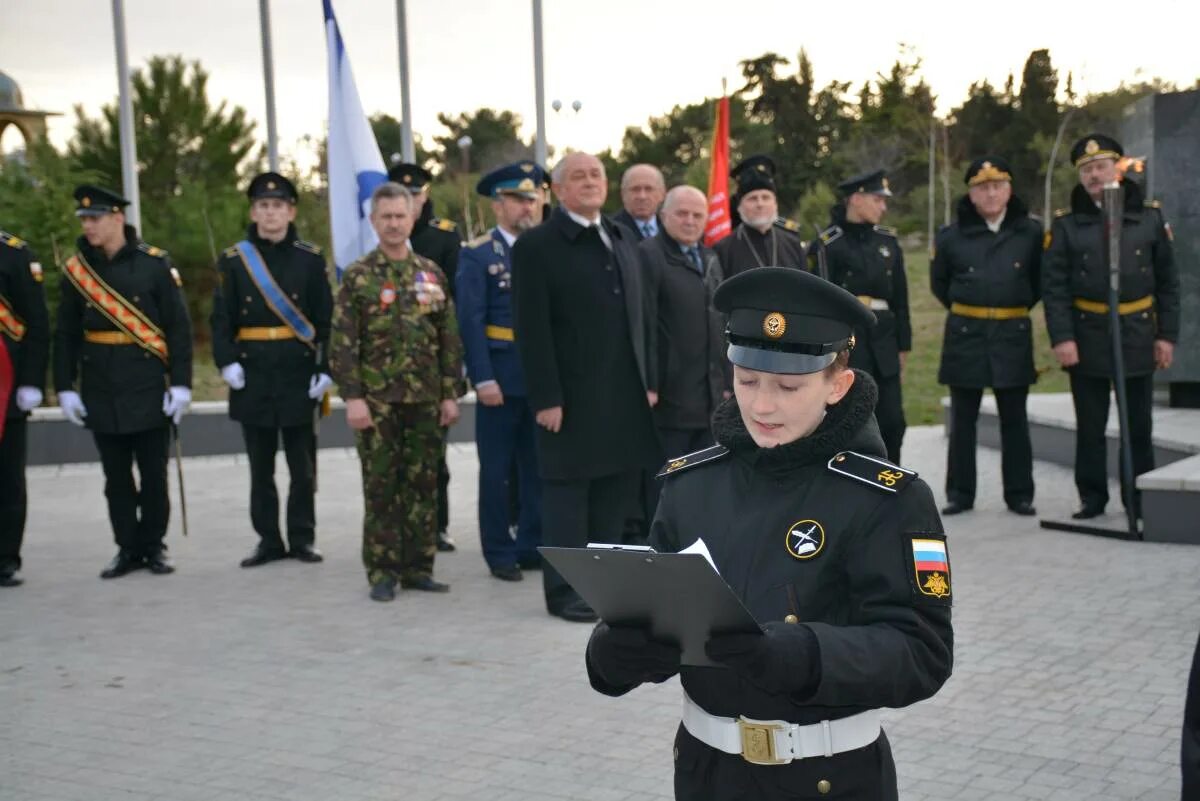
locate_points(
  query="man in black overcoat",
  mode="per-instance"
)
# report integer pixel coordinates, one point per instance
(987, 272)
(586, 341)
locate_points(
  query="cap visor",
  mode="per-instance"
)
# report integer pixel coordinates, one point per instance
(776, 361)
(97, 212)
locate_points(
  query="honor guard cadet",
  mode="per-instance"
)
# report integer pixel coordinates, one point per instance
(986, 271)
(270, 324)
(1075, 279)
(762, 238)
(839, 554)
(504, 425)
(440, 241)
(24, 351)
(397, 360)
(123, 337)
(864, 258)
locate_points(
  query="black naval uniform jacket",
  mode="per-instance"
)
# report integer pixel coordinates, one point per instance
(866, 260)
(585, 337)
(439, 241)
(737, 251)
(21, 286)
(122, 386)
(974, 266)
(1073, 267)
(277, 372)
(878, 640)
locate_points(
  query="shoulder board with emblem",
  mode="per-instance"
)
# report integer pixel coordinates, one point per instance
(308, 247)
(1061, 213)
(786, 224)
(482, 239)
(442, 225)
(151, 250)
(1153, 204)
(831, 234)
(883, 229)
(879, 473)
(230, 252)
(681, 463)
(12, 241)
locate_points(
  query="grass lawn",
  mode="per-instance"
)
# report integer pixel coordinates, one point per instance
(922, 392)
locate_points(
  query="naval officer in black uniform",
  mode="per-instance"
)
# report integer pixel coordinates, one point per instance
(839, 554)
(270, 335)
(986, 271)
(123, 337)
(864, 258)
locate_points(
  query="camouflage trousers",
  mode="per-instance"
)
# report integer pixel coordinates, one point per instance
(400, 458)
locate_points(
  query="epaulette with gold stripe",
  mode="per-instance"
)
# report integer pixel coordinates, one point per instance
(151, 250)
(482, 239)
(230, 252)
(831, 234)
(12, 241)
(1153, 204)
(879, 473)
(1061, 213)
(308, 247)
(786, 224)
(443, 225)
(883, 229)
(681, 463)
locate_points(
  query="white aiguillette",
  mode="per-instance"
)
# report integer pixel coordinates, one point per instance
(677, 597)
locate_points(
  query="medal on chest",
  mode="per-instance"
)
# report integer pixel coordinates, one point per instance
(805, 539)
(387, 295)
(427, 289)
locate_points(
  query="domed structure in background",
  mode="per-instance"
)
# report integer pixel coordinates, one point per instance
(31, 123)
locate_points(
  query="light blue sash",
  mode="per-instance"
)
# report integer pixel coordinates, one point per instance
(275, 297)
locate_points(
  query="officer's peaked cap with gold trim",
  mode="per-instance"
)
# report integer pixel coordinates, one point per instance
(272, 185)
(1095, 146)
(783, 320)
(988, 168)
(523, 178)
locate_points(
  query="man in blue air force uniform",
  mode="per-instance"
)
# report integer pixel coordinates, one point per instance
(504, 425)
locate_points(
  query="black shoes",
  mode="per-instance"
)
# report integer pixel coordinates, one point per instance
(576, 612)
(510, 573)
(8, 575)
(532, 563)
(424, 584)
(1023, 508)
(444, 543)
(262, 554)
(956, 508)
(1088, 512)
(158, 563)
(124, 562)
(307, 553)
(383, 591)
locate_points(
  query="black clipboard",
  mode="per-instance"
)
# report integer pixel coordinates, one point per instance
(678, 597)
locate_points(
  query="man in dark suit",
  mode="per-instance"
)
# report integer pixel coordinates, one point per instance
(270, 328)
(642, 191)
(583, 332)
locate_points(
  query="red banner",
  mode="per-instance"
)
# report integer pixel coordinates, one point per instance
(719, 222)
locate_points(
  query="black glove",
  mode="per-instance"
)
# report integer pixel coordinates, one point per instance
(626, 656)
(783, 660)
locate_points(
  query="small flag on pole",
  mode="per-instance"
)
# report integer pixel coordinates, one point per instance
(355, 167)
(719, 223)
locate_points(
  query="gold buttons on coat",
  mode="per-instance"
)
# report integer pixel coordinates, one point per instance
(823, 787)
(791, 619)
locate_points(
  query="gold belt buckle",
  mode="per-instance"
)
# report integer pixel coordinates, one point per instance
(758, 741)
(273, 333)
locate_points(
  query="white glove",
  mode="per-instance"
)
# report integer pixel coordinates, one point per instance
(234, 375)
(72, 406)
(28, 398)
(175, 402)
(318, 385)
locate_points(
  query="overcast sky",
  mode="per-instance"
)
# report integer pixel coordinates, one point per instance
(625, 60)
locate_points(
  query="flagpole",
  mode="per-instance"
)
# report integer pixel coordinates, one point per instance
(539, 85)
(407, 151)
(129, 181)
(264, 17)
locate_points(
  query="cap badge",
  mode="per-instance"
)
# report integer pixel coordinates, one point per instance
(526, 166)
(805, 539)
(774, 325)
(87, 201)
(987, 165)
(885, 183)
(1091, 147)
(408, 179)
(270, 184)
(526, 185)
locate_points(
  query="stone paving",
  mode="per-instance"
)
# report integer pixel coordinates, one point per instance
(286, 682)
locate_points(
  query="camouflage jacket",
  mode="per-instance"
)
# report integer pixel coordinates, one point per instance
(395, 336)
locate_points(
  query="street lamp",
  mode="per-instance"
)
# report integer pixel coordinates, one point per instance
(464, 150)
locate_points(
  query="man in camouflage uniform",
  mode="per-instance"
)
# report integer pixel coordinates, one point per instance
(397, 360)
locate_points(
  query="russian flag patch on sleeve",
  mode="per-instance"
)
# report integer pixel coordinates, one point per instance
(931, 566)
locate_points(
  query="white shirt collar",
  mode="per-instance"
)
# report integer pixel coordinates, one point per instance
(584, 221)
(994, 227)
(508, 238)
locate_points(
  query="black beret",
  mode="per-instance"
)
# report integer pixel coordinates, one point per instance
(784, 320)
(93, 201)
(988, 168)
(1095, 146)
(272, 184)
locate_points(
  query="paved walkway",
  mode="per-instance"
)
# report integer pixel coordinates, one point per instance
(285, 682)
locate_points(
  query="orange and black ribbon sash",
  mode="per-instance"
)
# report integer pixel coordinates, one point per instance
(119, 311)
(11, 325)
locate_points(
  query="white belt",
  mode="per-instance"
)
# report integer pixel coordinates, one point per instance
(777, 742)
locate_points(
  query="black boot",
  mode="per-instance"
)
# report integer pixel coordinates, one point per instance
(124, 562)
